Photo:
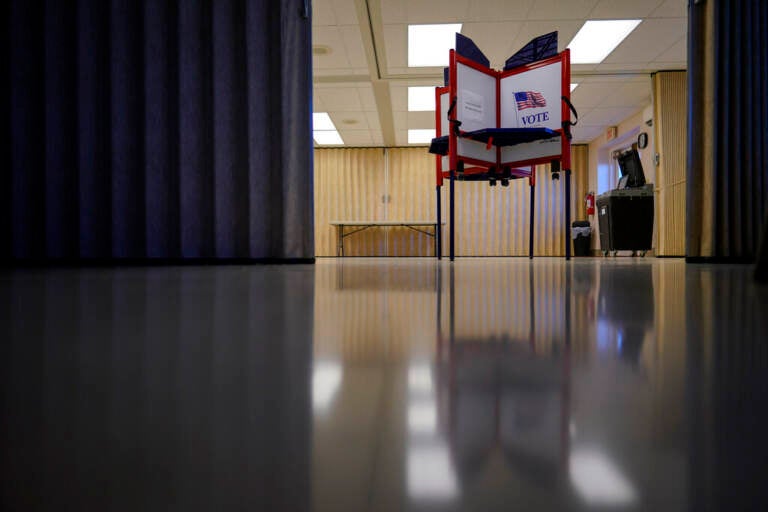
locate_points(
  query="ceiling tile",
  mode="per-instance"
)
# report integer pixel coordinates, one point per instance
(437, 11)
(623, 9)
(649, 40)
(345, 12)
(400, 120)
(396, 41)
(332, 38)
(672, 9)
(393, 11)
(323, 13)
(614, 79)
(373, 120)
(607, 116)
(678, 52)
(561, 9)
(588, 95)
(497, 10)
(350, 121)
(367, 99)
(421, 119)
(356, 137)
(317, 102)
(585, 134)
(342, 99)
(353, 46)
(399, 94)
(633, 94)
(623, 67)
(582, 68)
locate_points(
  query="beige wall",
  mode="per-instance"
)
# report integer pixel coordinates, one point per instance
(399, 184)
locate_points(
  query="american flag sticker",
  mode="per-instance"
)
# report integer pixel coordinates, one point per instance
(529, 99)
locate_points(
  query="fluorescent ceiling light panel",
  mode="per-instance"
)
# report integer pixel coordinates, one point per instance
(322, 121)
(428, 45)
(598, 38)
(421, 99)
(421, 136)
(573, 86)
(328, 137)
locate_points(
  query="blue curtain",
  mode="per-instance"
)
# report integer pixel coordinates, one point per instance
(739, 126)
(157, 130)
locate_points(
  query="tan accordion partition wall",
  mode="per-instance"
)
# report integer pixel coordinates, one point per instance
(670, 124)
(398, 184)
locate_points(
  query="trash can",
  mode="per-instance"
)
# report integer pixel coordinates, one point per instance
(581, 233)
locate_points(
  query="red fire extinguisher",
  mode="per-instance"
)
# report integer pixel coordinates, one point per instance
(589, 201)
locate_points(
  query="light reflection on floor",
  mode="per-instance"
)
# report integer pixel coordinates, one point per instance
(385, 384)
(558, 386)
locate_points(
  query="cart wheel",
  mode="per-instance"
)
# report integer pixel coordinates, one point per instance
(642, 254)
(605, 253)
(634, 253)
(615, 253)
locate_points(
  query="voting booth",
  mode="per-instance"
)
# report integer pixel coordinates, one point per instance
(496, 126)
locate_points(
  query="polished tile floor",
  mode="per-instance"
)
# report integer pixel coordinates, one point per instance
(385, 384)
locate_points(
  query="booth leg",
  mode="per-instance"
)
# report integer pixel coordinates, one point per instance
(438, 229)
(567, 214)
(452, 214)
(530, 238)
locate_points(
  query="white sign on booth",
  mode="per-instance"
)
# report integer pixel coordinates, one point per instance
(532, 99)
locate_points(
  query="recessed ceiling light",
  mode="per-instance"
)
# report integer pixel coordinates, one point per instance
(573, 86)
(328, 137)
(421, 136)
(598, 38)
(322, 121)
(421, 99)
(428, 45)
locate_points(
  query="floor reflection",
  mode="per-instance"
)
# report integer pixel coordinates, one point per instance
(385, 384)
(156, 389)
(494, 381)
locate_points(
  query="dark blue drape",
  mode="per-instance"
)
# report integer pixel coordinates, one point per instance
(156, 129)
(739, 125)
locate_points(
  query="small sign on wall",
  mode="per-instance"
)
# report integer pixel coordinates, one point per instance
(611, 133)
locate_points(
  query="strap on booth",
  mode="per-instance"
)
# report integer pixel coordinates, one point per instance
(567, 124)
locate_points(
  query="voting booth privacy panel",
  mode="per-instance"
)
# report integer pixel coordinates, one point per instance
(498, 125)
